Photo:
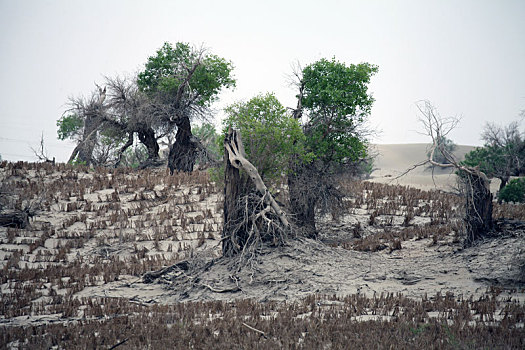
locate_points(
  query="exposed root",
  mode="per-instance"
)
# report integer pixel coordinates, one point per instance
(255, 224)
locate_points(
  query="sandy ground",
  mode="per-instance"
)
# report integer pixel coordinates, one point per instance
(304, 266)
(419, 268)
(300, 268)
(394, 160)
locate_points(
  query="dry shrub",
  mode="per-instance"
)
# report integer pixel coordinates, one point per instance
(49, 286)
(315, 322)
(509, 211)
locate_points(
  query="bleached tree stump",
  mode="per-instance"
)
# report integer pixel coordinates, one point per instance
(248, 219)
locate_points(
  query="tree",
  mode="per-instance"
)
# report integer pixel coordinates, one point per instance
(208, 138)
(475, 183)
(514, 191)
(448, 145)
(177, 84)
(259, 138)
(90, 112)
(186, 81)
(105, 127)
(69, 126)
(270, 135)
(250, 216)
(503, 154)
(334, 102)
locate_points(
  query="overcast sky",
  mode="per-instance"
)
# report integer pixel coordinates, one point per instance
(467, 57)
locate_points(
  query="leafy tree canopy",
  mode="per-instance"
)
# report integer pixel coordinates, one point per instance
(491, 160)
(336, 102)
(69, 126)
(176, 66)
(270, 135)
(503, 154)
(514, 191)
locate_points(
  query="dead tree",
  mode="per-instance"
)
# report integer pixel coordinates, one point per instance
(475, 184)
(41, 152)
(251, 214)
(508, 140)
(91, 112)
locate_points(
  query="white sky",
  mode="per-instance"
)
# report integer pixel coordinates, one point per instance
(467, 57)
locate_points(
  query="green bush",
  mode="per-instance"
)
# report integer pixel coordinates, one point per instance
(514, 191)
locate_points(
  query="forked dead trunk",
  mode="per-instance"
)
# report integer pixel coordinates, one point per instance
(234, 188)
(251, 214)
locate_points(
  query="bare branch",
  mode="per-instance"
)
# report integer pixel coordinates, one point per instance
(476, 190)
(41, 152)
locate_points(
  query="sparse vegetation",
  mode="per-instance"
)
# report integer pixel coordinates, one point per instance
(503, 154)
(383, 322)
(178, 84)
(98, 229)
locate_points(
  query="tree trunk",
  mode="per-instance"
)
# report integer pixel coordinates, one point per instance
(233, 189)
(84, 149)
(504, 181)
(124, 148)
(251, 214)
(478, 215)
(147, 137)
(183, 151)
(302, 202)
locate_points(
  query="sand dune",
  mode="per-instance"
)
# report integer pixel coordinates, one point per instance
(395, 159)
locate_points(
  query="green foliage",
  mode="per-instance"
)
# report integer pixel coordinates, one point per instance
(208, 136)
(169, 68)
(68, 126)
(217, 175)
(161, 71)
(366, 167)
(503, 154)
(490, 160)
(514, 191)
(336, 101)
(134, 156)
(78, 162)
(448, 145)
(270, 136)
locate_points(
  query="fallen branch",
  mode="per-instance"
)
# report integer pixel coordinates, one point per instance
(255, 330)
(150, 276)
(226, 290)
(118, 344)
